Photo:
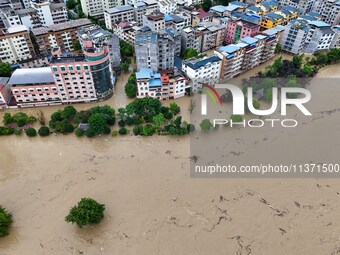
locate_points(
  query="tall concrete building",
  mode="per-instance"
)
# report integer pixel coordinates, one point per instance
(62, 35)
(117, 14)
(96, 8)
(329, 10)
(83, 77)
(43, 13)
(101, 37)
(302, 36)
(304, 6)
(15, 44)
(155, 50)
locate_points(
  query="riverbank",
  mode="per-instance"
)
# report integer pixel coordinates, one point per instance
(152, 204)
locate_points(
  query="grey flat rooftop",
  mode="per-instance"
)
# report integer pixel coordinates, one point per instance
(62, 26)
(118, 9)
(31, 75)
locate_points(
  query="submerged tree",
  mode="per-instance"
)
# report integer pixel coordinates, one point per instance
(87, 211)
(5, 222)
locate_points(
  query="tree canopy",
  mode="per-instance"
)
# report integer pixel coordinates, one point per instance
(5, 69)
(191, 53)
(87, 211)
(5, 222)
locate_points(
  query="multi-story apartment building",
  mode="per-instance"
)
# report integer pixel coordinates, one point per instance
(127, 31)
(252, 51)
(167, 6)
(302, 36)
(202, 71)
(223, 11)
(320, 37)
(272, 37)
(199, 17)
(178, 22)
(238, 28)
(101, 37)
(164, 85)
(149, 83)
(96, 8)
(155, 50)
(8, 17)
(176, 37)
(34, 87)
(310, 16)
(212, 35)
(142, 8)
(329, 10)
(68, 79)
(117, 14)
(271, 20)
(173, 84)
(61, 36)
(336, 40)
(15, 44)
(191, 38)
(82, 78)
(154, 20)
(304, 6)
(4, 92)
(268, 6)
(43, 13)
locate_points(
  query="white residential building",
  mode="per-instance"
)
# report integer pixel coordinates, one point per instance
(167, 6)
(154, 20)
(117, 14)
(43, 14)
(303, 5)
(302, 36)
(96, 8)
(15, 44)
(329, 10)
(336, 40)
(164, 85)
(202, 71)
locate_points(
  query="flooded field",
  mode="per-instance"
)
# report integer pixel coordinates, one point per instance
(152, 204)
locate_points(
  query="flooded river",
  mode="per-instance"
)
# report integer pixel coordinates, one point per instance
(152, 204)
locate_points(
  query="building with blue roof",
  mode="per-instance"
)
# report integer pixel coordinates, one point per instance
(201, 71)
(149, 83)
(240, 4)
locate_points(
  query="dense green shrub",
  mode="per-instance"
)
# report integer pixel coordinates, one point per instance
(123, 131)
(87, 211)
(44, 131)
(5, 222)
(31, 132)
(79, 132)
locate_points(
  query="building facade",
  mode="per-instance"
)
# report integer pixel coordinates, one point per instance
(15, 44)
(202, 71)
(239, 28)
(43, 13)
(117, 14)
(61, 36)
(163, 86)
(245, 55)
(34, 87)
(155, 50)
(96, 8)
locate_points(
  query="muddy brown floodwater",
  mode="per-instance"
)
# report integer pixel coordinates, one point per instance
(152, 204)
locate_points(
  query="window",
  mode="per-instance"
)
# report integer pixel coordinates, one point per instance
(55, 69)
(70, 68)
(78, 67)
(86, 68)
(62, 68)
